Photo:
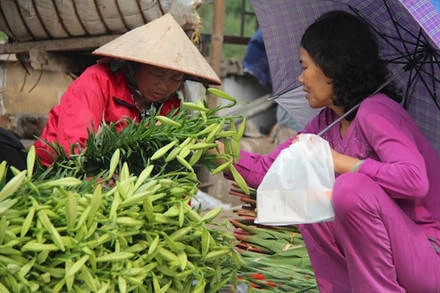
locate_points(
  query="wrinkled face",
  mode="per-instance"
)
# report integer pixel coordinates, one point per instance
(318, 87)
(157, 83)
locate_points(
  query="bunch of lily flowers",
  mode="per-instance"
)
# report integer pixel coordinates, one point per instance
(275, 257)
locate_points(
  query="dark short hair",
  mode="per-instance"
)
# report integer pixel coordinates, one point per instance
(345, 49)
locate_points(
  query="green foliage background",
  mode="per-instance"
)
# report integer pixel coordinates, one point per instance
(232, 26)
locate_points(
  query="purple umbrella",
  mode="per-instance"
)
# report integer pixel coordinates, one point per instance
(409, 36)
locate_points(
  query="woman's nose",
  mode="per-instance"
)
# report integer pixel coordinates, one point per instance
(163, 83)
(300, 78)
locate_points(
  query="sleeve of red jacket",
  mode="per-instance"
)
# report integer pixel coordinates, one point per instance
(82, 107)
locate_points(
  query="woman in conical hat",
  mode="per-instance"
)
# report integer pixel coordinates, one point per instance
(141, 69)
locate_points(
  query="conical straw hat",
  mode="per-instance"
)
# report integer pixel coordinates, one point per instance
(161, 42)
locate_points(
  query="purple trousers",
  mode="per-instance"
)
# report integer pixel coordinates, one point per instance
(371, 246)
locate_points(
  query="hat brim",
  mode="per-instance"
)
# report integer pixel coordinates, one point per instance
(163, 43)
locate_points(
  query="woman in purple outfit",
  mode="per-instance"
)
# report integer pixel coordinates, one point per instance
(386, 233)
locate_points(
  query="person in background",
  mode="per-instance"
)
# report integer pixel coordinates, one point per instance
(255, 62)
(385, 236)
(12, 151)
(142, 70)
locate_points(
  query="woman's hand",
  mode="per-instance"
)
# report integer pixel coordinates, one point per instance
(343, 163)
(219, 150)
(295, 139)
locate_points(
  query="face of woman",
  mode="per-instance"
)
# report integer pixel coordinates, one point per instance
(318, 87)
(157, 83)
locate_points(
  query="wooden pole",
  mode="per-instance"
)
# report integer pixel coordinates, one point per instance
(215, 57)
(216, 42)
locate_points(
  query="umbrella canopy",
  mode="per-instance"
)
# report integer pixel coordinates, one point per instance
(409, 36)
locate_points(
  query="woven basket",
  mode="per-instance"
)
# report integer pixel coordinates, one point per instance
(25, 20)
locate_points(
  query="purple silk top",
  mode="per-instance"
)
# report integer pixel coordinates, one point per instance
(397, 156)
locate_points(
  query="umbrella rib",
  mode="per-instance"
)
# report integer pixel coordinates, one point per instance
(419, 43)
(383, 36)
(437, 62)
(434, 88)
(396, 59)
(416, 55)
(398, 27)
(434, 80)
(421, 49)
(395, 25)
(428, 52)
(430, 73)
(419, 76)
(411, 78)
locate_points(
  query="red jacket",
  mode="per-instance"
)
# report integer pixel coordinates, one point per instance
(96, 95)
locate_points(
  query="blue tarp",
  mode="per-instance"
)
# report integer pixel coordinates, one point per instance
(255, 60)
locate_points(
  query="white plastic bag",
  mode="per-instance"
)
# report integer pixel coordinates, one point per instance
(297, 187)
